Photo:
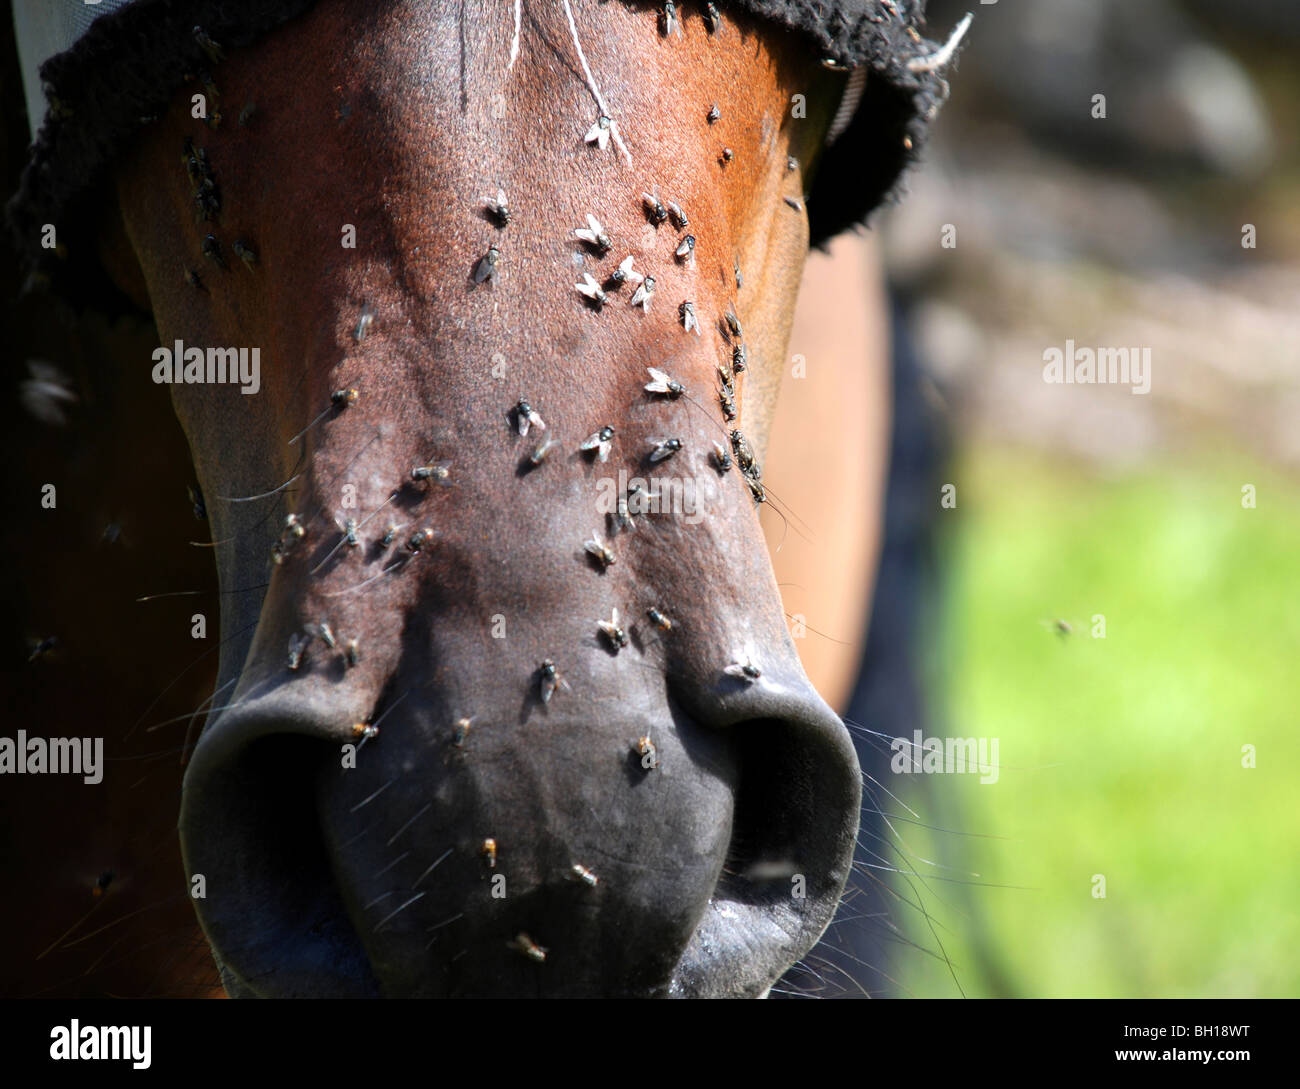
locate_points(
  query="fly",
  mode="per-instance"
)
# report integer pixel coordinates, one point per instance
(581, 873)
(526, 417)
(210, 47)
(439, 472)
(740, 447)
(212, 251)
(644, 293)
(543, 451)
(522, 943)
(689, 320)
(670, 20)
(591, 290)
(297, 644)
(745, 671)
(739, 358)
(489, 852)
(549, 679)
(713, 114)
(663, 383)
(594, 235)
(461, 732)
(363, 323)
(685, 248)
(244, 252)
(664, 448)
(339, 400)
(623, 517)
(654, 208)
(658, 619)
(351, 652)
(598, 134)
(676, 214)
(196, 498)
(599, 441)
(721, 459)
(728, 404)
(498, 209)
(293, 532)
(417, 540)
(599, 551)
(612, 631)
(625, 273)
(209, 89)
(733, 324)
(348, 528)
(486, 269)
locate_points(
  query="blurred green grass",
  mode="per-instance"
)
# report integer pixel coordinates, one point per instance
(1119, 756)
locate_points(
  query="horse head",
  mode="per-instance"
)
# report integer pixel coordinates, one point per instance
(474, 315)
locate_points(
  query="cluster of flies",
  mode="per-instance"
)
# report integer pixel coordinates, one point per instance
(523, 417)
(300, 641)
(204, 190)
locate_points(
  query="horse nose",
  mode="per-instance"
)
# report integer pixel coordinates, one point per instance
(259, 870)
(689, 848)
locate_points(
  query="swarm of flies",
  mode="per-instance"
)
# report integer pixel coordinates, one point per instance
(747, 464)
(203, 183)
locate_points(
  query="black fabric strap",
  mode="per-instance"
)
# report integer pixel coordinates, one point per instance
(124, 71)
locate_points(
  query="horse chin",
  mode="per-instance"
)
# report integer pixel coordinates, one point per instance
(708, 874)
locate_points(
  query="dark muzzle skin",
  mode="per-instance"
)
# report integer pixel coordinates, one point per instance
(354, 834)
(698, 860)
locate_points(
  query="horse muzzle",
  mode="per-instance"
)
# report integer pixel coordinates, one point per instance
(680, 840)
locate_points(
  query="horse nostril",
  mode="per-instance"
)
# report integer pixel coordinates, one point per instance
(260, 871)
(781, 841)
(795, 821)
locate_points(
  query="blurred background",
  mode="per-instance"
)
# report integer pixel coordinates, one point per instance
(1120, 756)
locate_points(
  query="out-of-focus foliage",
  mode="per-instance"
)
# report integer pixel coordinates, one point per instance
(1119, 756)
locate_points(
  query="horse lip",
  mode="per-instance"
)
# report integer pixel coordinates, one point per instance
(741, 951)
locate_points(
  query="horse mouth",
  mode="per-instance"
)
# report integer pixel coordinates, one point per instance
(379, 883)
